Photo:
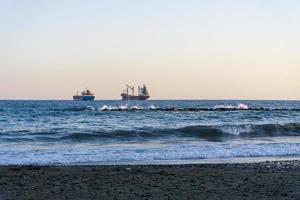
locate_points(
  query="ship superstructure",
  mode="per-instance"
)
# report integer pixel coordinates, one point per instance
(142, 93)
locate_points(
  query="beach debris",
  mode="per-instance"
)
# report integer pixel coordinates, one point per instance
(128, 169)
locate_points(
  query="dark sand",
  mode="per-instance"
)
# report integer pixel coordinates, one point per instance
(269, 180)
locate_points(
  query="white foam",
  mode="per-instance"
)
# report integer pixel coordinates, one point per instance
(152, 107)
(69, 154)
(123, 107)
(136, 108)
(243, 106)
(236, 130)
(104, 107)
(90, 108)
(240, 106)
(224, 106)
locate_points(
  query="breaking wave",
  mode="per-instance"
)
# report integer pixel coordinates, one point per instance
(240, 107)
(213, 133)
(152, 108)
(205, 132)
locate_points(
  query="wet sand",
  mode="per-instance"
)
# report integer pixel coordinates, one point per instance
(268, 180)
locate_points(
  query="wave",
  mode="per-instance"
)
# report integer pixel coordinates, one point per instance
(211, 133)
(227, 131)
(219, 108)
(240, 106)
(204, 132)
(247, 130)
(152, 108)
(166, 154)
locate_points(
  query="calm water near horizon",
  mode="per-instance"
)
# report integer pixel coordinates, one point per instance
(74, 132)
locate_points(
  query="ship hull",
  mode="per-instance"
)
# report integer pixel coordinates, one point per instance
(84, 98)
(131, 97)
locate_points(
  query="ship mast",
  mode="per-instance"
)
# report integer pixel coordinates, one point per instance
(130, 87)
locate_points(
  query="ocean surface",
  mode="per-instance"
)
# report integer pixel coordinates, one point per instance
(74, 132)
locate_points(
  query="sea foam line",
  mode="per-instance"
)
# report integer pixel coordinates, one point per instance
(219, 108)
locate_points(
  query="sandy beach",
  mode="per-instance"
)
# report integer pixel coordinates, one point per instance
(267, 180)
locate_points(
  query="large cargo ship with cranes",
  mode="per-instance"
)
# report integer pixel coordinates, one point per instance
(142, 93)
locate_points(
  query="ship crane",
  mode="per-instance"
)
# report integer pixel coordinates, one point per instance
(130, 87)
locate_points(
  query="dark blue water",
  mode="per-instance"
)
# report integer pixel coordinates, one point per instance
(67, 132)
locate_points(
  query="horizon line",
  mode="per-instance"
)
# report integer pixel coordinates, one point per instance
(154, 100)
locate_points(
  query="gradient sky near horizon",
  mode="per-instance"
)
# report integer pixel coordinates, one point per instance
(192, 49)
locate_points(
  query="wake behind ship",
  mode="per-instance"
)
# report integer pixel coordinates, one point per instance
(142, 93)
(86, 95)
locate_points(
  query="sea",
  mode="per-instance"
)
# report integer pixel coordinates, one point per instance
(147, 132)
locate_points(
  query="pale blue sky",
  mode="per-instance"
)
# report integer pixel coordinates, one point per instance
(181, 49)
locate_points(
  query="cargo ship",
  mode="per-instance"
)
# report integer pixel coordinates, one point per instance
(86, 95)
(142, 93)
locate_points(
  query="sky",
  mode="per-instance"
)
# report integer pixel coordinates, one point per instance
(191, 49)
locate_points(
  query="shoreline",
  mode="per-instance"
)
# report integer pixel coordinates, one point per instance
(245, 160)
(241, 160)
(262, 180)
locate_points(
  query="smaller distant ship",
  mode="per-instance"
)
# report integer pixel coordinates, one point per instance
(142, 93)
(86, 95)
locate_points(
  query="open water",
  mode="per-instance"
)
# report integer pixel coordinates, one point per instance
(74, 132)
